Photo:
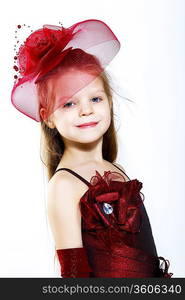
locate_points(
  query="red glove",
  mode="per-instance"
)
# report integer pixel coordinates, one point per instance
(74, 262)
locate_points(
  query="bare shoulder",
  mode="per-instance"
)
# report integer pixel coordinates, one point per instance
(64, 185)
(63, 210)
(60, 183)
(119, 166)
(61, 196)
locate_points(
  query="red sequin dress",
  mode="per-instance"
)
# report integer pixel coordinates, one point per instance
(116, 230)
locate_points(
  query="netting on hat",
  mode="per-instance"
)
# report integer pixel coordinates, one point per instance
(86, 47)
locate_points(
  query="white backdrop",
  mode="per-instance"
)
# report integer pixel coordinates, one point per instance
(150, 70)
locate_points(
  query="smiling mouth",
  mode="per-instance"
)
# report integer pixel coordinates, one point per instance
(88, 125)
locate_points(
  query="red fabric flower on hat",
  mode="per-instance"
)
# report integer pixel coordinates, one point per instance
(112, 203)
(43, 49)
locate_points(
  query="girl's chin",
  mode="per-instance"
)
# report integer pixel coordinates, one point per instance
(87, 140)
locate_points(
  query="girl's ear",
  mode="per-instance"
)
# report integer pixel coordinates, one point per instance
(42, 113)
(48, 122)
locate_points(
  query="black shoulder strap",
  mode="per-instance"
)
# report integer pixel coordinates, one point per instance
(121, 171)
(75, 174)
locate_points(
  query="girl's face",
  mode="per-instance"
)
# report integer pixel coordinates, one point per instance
(90, 104)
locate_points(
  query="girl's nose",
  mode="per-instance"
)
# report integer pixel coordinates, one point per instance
(86, 108)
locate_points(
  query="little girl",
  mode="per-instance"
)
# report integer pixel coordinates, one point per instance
(96, 212)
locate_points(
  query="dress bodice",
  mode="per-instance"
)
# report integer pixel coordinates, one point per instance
(116, 230)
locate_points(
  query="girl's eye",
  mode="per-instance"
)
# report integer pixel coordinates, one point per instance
(97, 98)
(68, 103)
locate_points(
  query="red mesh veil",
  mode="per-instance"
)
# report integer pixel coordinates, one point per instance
(86, 47)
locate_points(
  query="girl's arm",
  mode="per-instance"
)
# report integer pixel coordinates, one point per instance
(65, 221)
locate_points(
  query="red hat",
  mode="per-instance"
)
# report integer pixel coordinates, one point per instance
(51, 46)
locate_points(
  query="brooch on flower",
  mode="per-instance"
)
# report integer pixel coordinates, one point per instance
(112, 202)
